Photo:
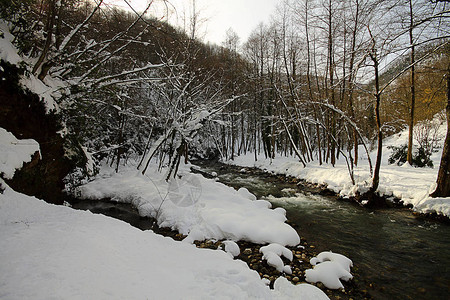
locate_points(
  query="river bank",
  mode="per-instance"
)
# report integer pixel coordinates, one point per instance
(249, 252)
(317, 184)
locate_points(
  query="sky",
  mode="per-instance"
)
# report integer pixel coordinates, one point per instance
(216, 16)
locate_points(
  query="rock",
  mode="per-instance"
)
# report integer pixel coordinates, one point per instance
(247, 251)
(295, 279)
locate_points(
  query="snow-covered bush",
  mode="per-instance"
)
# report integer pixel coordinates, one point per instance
(421, 157)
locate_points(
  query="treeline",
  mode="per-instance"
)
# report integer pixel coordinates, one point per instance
(320, 79)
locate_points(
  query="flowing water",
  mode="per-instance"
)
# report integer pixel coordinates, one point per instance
(396, 255)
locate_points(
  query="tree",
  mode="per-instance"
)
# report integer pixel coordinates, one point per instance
(443, 179)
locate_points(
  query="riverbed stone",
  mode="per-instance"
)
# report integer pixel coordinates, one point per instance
(247, 251)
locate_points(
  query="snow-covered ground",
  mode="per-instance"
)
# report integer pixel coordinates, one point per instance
(195, 206)
(412, 185)
(55, 252)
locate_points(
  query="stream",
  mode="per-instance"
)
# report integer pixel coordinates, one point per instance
(396, 255)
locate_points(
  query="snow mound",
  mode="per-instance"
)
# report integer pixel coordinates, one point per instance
(329, 268)
(344, 261)
(272, 254)
(195, 206)
(14, 152)
(284, 289)
(232, 248)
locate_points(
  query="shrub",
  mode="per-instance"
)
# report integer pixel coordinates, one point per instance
(421, 157)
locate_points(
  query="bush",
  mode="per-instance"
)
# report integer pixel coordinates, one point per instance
(421, 157)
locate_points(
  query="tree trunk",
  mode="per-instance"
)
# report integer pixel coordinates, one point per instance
(413, 92)
(50, 26)
(376, 173)
(443, 179)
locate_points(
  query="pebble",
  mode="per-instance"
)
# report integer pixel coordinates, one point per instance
(295, 279)
(247, 251)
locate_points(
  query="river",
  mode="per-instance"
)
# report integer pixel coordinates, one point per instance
(396, 255)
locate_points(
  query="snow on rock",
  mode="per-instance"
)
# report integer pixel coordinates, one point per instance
(198, 207)
(14, 152)
(232, 248)
(344, 261)
(55, 252)
(272, 254)
(284, 289)
(329, 268)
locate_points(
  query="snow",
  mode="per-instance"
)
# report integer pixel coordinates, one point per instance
(14, 152)
(412, 185)
(329, 268)
(195, 206)
(345, 262)
(7, 50)
(45, 91)
(299, 291)
(272, 254)
(55, 252)
(232, 248)
(329, 274)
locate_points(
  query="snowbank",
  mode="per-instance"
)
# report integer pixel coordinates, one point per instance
(412, 185)
(14, 152)
(55, 252)
(193, 205)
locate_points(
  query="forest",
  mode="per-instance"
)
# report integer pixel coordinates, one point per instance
(317, 81)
